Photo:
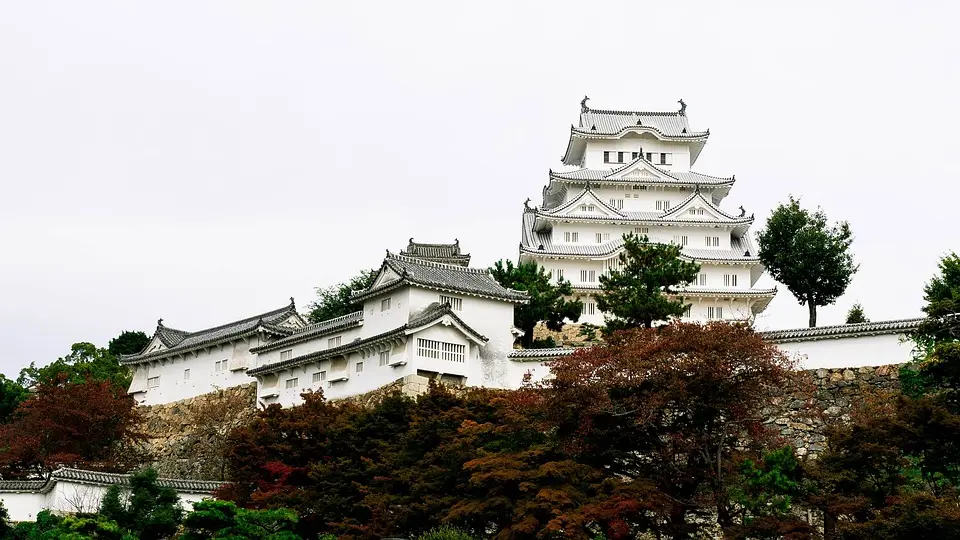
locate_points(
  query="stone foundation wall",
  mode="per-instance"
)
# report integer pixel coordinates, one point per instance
(186, 438)
(824, 397)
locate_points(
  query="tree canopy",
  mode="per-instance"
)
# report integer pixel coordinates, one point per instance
(11, 395)
(128, 342)
(804, 252)
(85, 361)
(334, 301)
(635, 292)
(65, 423)
(856, 314)
(548, 303)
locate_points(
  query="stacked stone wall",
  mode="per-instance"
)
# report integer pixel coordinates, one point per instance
(824, 397)
(186, 438)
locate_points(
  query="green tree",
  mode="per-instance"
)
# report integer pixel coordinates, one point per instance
(223, 519)
(128, 342)
(11, 396)
(150, 512)
(856, 315)
(334, 301)
(636, 293)
(6, 531)
(808, 255)
(547, 302)
(937, 349)
(86, 361)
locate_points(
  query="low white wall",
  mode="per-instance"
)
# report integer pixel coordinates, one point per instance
(68, 497)
(852, 351)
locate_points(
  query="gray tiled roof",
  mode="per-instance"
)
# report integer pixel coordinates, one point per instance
(605, 122)
(104, 479)
(181, 341)
(540, 354)
(532, 240)
(430, 314)
(678, 177)
(725, 291)
(444, 277)
(441, 253)
(313, 331)
(899, 326)
(669, 216)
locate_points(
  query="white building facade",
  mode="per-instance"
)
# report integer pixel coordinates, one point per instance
(633, 175)
(423, 315)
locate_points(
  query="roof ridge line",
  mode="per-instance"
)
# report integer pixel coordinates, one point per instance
(638, 113)
(245, 319)
(425, 262)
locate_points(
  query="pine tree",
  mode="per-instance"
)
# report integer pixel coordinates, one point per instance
(636, 293)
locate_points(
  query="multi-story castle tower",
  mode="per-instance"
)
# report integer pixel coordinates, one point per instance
(634, 176)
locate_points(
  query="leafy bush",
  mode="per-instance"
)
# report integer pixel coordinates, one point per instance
(445, 532)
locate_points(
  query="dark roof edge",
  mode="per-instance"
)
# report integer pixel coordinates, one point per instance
(897, 326)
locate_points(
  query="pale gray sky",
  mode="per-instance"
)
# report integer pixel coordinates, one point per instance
(204, 161)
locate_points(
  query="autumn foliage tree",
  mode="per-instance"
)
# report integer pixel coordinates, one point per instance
(64, 423)
(674, 410)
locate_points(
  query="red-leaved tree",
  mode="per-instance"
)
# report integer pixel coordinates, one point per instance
(90, 424)
(669, 411)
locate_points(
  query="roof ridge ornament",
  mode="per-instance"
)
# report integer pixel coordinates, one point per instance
(583, 104)
(526, 204)
(683, 107)
(160, 323)
(292, 303)
(743, 211)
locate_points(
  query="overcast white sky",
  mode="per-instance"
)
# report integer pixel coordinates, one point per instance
(204, 161)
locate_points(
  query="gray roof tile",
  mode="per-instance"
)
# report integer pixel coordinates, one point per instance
(104, 479)
(441, 253)
(428, 315)
(182, 341)
(445, 277)
(899, 326)
(540, 354)
(605, 122)
(315, 330)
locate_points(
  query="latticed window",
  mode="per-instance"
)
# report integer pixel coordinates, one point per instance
(441, 350)
(333, 342)
(286, 355)
(319, 376)
(384, 358)
(153, 382)
(455, 303)
(292, 383)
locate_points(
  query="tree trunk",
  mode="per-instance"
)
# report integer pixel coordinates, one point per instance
(813, 312)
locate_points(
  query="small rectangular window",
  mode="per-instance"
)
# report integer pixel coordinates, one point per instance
(186, 374)
(559, 274)
(333, 342)
(384, 358)
(385, 304)
(680, 239)
(599, 238)
(606, 157)
(292, 383)
(703, 279)
(666, 159)
(589, 308)
(620, 157)
(634, 155)
(359, 367)
(730, 280)
(286, 355)
(220, 365)
(319, 376)
(574, 237)
(650, 157)
(663, 205)
(641, 230)
(583, 208)
(456, 304)
(687, 312)
(153, 382)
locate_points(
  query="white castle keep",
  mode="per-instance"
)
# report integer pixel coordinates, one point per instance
(633, 175)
